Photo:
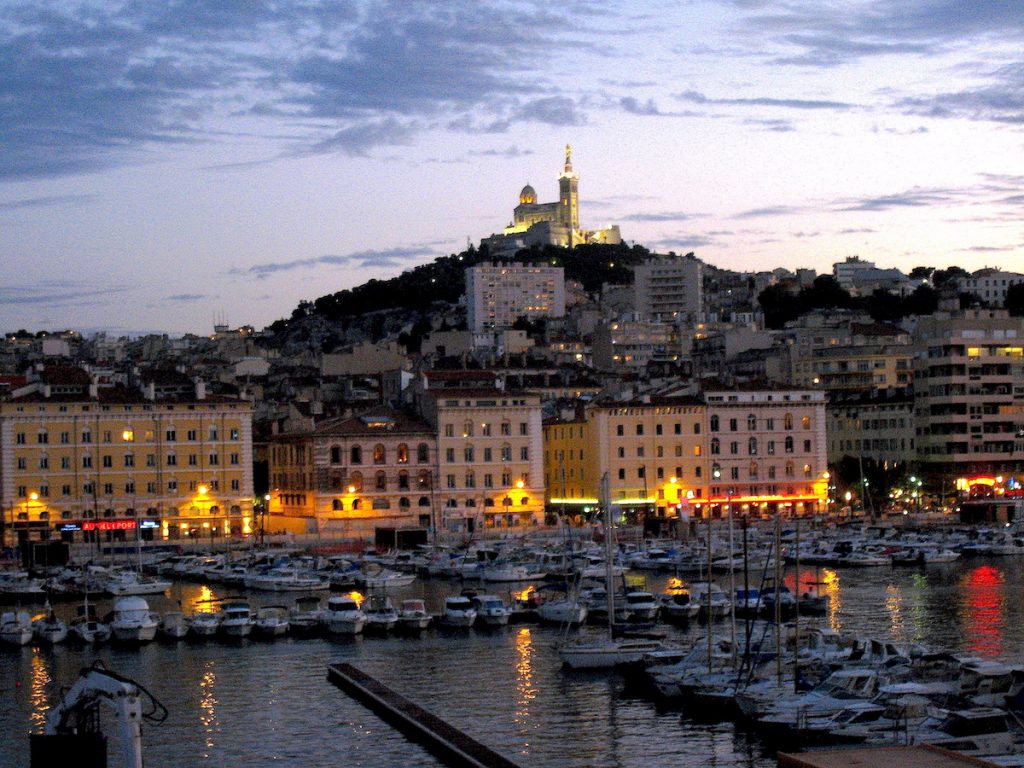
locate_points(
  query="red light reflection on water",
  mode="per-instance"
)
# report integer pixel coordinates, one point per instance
(984, 608)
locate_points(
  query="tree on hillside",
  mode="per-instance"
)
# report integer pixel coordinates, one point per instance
(949, 275)
(921, 273)
(1015, 299)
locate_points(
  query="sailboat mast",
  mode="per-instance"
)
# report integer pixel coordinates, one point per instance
(608, 571)
(796, 613)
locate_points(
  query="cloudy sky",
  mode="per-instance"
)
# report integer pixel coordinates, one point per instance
(163, 162)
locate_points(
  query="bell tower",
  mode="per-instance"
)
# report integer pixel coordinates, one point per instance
(568, 194)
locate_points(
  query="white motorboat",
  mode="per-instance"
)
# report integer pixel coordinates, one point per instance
(679, 606)
(606, 653)
(173, 625)
(306, 617)
(563, 611)
(133, 622)
(343, 616)
(641, 606)
(413, 616)
(491, 611)
(711, 599)
(509, 573)
(204, 624)
(383, 578)
(86, 628)
(381, 616)
(458, 612)
(285, 580)
(131, 583)
(236, 618)
(272, 621)
(48, 629)
(15, 628)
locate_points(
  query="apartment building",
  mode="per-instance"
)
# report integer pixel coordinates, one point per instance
(164, 460)
(990, 285)
(880, 429)
(667, 288)
(498, 294)
(350, 476)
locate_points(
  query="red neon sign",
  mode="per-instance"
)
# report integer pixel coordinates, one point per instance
(108, 525)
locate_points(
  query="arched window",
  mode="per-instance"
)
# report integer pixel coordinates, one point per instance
(805, 422)
(356, 455)
(423, 480)
(381, 483)
(789, 469)
(403, 480)
(807, 470)
(235, 509)
(336, 505)
(403, 454)
(488, 502)
(787, 421)
(403, 502)
(355, 482)
(753, 470)
(751, 422)
(716, 446)
(379, 454)
(789, 445)
(524, 501)
(714, 423)
(381, 503)
(507, 501)
(357, 503)
(752, 446)
(422, 453)
(423, 502)
(335, 454)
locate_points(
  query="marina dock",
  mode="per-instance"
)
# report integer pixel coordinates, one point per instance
(448, 743)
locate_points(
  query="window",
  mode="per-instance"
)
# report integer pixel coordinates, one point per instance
(335, 454)
(423, 479)
(65, 437)
(639, 430)
(43, 438)
(449, 455)
(381, 483)
(19, 439)
(214, 434)
(402, 454)
(752, 446)
(467, 454)
(449, 430)
(751, 422)
(524, 428)
(488, 481)
(506, 453)
(467, 429)
(641, 472)
(807, 470)
(108, 489)
(487, 454)
(506, 429)
(506, 478)
(44, 462)
(524, 454)
(622, 452)
(771, 472)
(403, 481)
(807, 446)
(732, 425)
(214, 459)
(753, 470)
(170, 436)
(657, 429)
(620, 430)
(422, 453)
(622, 474)
(769, 425)
(379, 454)
(771, 447)
(734, 473)
(450, 480)
(22, 462)
(789, 445)
(734, 447)
(805, 422)
(65, 490)
(86, 437)
(355, 455)
(191, 435)
(355, 482)
(485, 429)
(193, 460)
(234, 434)
(65, 462)
(787, 422)
(714, 423)
(129, 487)
(640, 452)
(172, 460)
(789, 469)
(470, 480)
(129, 460)
(150, 459)
(716, 446)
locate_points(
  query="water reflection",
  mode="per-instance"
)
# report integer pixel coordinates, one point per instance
(894, 607)
(201, 600)
(830, 586)
(38, 700)
(526, 691)
(984, 610)
(208, 707)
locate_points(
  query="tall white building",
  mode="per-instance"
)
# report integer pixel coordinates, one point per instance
(668, 287)
(990, 285)
(499, 294)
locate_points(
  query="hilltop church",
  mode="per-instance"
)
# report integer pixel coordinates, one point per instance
(558, 223)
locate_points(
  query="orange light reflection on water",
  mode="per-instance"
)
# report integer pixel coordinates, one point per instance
(208, 707)
(894, 606)
(984, 610)
(830, 586)
(37, 698)
(526, 690)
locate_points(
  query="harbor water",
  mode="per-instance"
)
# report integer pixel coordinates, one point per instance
(268, 703)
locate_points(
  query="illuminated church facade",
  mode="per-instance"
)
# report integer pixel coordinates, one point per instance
(555, 223)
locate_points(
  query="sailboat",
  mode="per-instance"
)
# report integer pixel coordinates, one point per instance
(610, 651)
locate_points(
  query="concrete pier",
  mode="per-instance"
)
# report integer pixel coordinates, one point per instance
(448, 743)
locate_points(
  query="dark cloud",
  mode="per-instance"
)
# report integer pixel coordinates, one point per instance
(46, 201)
(510, 153)
(57, 294)
(695, 97)
(84, 86)
(389, 257)
(767, 211)
(914, 198)
(186, 297)
(688, 243)
(661, 216)
(778, 126)
(634, 107)
(1001, 100)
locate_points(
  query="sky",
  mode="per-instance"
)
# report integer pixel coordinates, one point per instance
(164, 163)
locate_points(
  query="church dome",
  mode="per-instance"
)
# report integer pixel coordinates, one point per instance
(528, 196)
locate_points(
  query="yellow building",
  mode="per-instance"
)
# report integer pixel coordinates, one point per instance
(84, 463)
(653, 454)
